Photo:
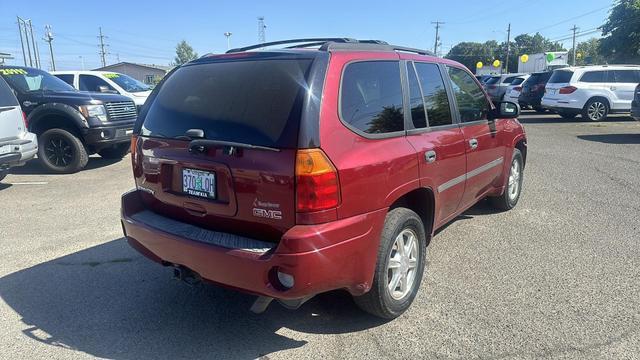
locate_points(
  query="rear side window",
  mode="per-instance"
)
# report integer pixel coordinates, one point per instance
(493, 80)
(93, 83)
(415, 95)
(593, 77)
(470, 99)
(68, 78)
(371, 97)
(626, 76)
(256, 102)
(560, 77)
(435, 94)
(509, 80)
(517, 81)
(7, 98)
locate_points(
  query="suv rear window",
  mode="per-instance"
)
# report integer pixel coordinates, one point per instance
(258, 102)
(493, 80)
(7, 98)
(517, 81)
(561, 77)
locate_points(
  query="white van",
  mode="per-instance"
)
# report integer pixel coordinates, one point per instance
(107, 82)
(593, 91)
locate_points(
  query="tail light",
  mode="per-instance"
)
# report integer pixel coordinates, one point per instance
(134, 149)
(25, 121)
(317, 186)
(518, 88)
(567, 90)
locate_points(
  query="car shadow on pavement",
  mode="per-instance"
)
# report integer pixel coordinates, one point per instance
(617, 139)
(4, 186)
(34, 167)
(108, 301)
(557, 119)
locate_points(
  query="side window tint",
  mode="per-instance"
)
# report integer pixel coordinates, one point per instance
(371, 97)
(68, 78)
(417, 106)
(435, 94)
(594, 77)
(93, 83)
(626, 76)
(471, 102)
(7, 98)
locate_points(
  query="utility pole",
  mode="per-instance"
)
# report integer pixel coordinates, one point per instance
(435, 45)
(228, 35)
(23, 24)
(36, 51)
(574, 29)
(48, 37)
(24, 55)
(103, 53)
(262, 37)
(508, 46)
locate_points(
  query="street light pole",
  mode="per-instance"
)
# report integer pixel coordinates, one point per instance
(228, 35)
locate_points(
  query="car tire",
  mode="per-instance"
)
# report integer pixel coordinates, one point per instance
(596, 109)
(61, 152)
(115, 152)
(539, 110)
(401, 226)
(3, 174)
(567, 115)
(509, 198)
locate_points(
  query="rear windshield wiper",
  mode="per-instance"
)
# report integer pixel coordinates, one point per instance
(201, 145)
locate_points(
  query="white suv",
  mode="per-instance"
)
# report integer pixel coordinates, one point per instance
(17, 145)
(105, 81)
(593, 91)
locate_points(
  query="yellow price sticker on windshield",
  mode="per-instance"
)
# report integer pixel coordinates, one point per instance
(111, 76)
(13, 72)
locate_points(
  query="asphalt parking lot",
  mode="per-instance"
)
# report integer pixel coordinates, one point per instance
(559, 276)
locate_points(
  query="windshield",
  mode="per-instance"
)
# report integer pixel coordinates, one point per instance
(128, 83)
(254, 102)
(25, 80)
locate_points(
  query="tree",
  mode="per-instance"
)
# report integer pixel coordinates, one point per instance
(469, 53)
(184, 53)
(588, 52)
(621, 31)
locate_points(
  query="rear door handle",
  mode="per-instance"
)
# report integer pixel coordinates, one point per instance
(430, 156)
(473, 144)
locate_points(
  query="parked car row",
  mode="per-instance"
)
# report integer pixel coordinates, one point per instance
(69, 124)
(591, 91)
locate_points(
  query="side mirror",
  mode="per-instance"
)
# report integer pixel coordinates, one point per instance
(105, 89)
(505, 110)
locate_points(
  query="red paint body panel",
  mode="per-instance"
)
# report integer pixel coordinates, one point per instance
(325, 250)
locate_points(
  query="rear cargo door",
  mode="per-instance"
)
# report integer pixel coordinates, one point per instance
(11, 124)
(218, 143)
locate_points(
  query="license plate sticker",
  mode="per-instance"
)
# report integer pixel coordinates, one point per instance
(199, 183)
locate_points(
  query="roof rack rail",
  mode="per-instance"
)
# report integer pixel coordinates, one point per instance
(293, 41)
(326, 44)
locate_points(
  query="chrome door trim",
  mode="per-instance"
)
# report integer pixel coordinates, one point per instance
(475, 172)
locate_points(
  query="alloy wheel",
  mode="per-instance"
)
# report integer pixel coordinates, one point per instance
(403, 261)
(596, 110)
(514, 180)
(58, 151)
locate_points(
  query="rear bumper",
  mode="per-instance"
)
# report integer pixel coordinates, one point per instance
(566, 104)
(336, 255)
(24, 149)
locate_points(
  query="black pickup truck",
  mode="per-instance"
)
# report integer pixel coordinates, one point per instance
(70, 124)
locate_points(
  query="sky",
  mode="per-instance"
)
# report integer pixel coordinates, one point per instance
(147, 31)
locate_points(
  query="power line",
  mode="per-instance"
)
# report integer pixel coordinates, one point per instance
(573, 18)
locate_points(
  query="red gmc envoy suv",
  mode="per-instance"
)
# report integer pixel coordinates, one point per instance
(327, 164)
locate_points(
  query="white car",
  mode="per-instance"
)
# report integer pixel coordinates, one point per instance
(17, 145)
(593, 91)
(108, 82)
(515, 88)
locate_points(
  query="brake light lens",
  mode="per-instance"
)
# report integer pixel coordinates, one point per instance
(25, 121)
(567, 90)
(134, 147)
(317, 186)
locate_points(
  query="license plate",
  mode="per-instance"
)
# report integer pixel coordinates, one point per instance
(6, 149)
(552, 91)
(199, 183)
